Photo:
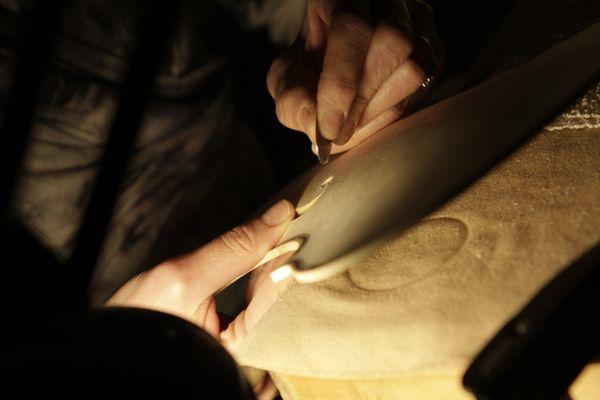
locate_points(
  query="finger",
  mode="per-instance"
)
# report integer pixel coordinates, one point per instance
(389, 48)
(268, 391)
(278, 69)
(289, 70)
(317, 20)
(292, 78)
(211, 319)
(373, 127)
(265, 295)
(296, 79)
(291, 82)
(282, 64)
(296, 109)
(404, 81)
(234, 253)
(347, 43)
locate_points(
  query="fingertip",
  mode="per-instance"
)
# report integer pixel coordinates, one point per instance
(235, 332)
(278, 213)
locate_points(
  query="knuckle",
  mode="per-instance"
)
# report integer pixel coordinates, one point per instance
(389, 49)
(338, 81)
(335, 85)
(286, 109)
(365, 93)
(240, 240)
(171, 277)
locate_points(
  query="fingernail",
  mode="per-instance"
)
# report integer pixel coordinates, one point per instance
(306, 119)
(345, 133)
(277, 214)
(331, 123)
(314, 149)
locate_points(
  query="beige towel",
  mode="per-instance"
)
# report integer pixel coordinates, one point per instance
(429, 301)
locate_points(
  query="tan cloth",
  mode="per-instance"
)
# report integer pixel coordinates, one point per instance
(429, 301)
(437, 386)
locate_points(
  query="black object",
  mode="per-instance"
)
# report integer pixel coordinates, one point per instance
(119, 349)
(543, 348)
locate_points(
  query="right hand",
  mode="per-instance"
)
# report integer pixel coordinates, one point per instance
(350, 71)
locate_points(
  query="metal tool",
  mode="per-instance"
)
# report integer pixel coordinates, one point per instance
(323, 146)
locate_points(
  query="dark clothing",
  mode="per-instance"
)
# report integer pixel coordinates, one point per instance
(192, 156)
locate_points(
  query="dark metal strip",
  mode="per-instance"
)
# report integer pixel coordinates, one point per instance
(35, 48)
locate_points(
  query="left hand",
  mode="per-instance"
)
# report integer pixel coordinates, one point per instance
(185, 286)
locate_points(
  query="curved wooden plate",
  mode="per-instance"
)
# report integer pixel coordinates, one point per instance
(403, 173)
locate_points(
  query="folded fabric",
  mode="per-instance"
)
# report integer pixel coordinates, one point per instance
(432, 298)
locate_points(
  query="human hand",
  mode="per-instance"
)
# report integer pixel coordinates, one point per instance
(185, 286)
(350, 69)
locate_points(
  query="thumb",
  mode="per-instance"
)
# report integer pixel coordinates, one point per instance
(233, 254)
